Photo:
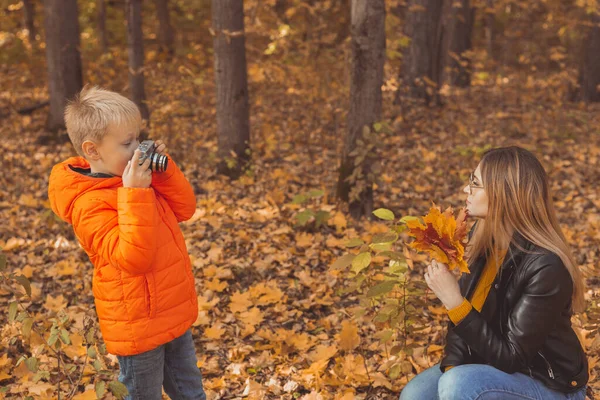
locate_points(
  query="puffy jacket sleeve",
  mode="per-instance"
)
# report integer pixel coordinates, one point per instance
(547, 291)
(125, 238)
(177, 191)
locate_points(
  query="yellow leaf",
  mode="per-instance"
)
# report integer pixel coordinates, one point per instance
(63, 268)
(301, 341)
(353, 368)
(323, 352)
(5, 360)
(438, 310)
(248, 330)
(216, 285)
(215, 253)
(380, 379)
(202, 319)
(441, 236)
(340, 222)
(252, 317)
(12, 244)
(217, 272)
(378, 227)
(55, 303)
(255, 73)
(4, 375)
(266, 293)
(240, 302)
(314, 395)
(22, 373)
(349, 395)
(214, 384)
(361, 262)
(332, 241)
(87, 395)
(28, 200)
(205, 304)
(254, 390)
(76, 348)
(214, 332)
(40, 388)
(434, 347)
(304, 240)
(316, 368)
(349, 338)
(27, 271)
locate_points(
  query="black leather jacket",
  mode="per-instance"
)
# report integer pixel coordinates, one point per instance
(525, 323)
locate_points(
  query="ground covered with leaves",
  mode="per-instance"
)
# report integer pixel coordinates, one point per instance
(275, 319)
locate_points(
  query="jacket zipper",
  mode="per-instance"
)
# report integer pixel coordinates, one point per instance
(550, 372)
(510, 266)
(469, 349)
(148, 302)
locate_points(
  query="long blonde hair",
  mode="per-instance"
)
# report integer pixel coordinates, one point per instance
(520, 201)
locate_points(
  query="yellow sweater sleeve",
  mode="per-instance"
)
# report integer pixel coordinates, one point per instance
(488, 275)
(457, 314)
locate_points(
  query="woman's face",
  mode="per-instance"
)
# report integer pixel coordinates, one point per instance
(477, 200)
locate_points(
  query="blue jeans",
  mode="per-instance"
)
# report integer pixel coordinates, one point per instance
(479, 382)
(172, 365)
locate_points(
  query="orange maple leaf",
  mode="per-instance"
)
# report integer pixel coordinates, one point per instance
(441, 236)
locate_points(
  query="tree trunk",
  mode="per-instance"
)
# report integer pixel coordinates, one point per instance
(28, 18)
(490, 21)
(233, 125)
(166, 36)
(63, 57)
(356, 177)
(589, 78)
(421, 66)
(399, 10)
(102, 25)
(135, 45)
(459, 33)
(280, 9)
(344, 26)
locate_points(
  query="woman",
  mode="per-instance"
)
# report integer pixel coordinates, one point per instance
(510, 335)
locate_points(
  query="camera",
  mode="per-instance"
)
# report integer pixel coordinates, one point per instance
(158, 163)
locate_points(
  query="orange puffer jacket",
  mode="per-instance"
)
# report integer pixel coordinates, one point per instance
(143, 283)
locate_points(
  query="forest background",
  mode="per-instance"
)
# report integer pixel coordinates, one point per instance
(332, 114)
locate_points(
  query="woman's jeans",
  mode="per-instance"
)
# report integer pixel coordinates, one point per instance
(479, 382)
(172, 365)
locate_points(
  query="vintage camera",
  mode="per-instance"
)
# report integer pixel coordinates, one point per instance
(158, 163)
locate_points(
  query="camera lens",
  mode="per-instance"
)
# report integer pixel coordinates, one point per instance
(158, 163)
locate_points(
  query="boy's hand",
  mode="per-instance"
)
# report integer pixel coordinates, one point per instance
(161, 147)
(136, 175)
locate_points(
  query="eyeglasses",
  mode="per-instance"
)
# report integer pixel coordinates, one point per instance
(473, 184)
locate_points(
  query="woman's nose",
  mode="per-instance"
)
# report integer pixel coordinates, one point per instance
(466, 189)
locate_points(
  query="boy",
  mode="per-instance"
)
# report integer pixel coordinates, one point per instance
(126, 219)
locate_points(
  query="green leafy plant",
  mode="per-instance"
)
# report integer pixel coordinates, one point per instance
(310, 216)
(58, 330)
(390, 296)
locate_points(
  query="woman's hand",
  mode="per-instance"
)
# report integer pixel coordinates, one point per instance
(444, 284)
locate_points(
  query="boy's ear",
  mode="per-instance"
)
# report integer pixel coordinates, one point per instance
(90, 149)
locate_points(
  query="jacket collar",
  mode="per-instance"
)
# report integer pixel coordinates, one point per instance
(518, 248)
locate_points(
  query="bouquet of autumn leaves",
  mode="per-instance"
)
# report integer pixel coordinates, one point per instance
(441, 236)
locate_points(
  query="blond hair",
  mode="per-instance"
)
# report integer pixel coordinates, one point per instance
(520, 201)
(89, 114)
